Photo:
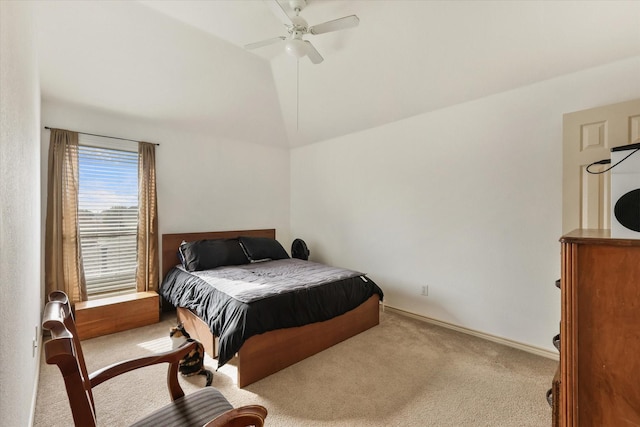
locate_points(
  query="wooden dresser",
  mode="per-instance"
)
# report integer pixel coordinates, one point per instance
(599, 381)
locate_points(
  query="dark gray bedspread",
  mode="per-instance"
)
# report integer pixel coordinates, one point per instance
(238, 302)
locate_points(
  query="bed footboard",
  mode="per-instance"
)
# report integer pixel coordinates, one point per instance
(268, 353)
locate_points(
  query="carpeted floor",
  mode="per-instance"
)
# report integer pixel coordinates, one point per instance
(403, 372)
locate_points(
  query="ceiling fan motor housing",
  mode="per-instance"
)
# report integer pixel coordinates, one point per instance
(299, 25)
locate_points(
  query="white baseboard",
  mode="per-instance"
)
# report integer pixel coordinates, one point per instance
(504, 341)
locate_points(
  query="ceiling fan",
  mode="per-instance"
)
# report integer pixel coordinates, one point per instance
(297, 27)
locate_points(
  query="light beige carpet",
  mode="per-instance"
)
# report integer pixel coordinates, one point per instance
(401, 373)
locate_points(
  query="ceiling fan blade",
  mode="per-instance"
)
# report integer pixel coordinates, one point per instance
(313, 54)
(335, 25)
(280, 13)
(264, 42)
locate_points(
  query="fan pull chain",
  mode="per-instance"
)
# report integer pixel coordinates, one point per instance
(297, 94)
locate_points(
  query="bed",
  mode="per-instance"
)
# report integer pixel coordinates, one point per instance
(263, 352)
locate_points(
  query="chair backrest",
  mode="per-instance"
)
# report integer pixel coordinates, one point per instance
(65, 351)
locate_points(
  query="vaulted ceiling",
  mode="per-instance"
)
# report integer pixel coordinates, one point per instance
(183, 62)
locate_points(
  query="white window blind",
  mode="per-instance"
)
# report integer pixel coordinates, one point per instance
(108, 214)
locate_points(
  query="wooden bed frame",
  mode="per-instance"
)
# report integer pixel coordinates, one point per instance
(270, 352)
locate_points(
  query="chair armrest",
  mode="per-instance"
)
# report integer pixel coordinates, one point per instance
(170, 357)
(250, 415)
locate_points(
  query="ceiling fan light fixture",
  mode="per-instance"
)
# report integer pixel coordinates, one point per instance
(296, 47)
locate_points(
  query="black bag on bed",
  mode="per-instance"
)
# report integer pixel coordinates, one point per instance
(299, 250)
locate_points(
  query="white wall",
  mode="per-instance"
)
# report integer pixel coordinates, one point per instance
(466, 200)
(20, 289)
(204, 182)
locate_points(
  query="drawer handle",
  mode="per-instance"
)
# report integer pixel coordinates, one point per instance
(556, 342)
(550, 397)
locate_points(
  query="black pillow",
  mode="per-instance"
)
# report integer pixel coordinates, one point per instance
(208, 254)
(262, 248)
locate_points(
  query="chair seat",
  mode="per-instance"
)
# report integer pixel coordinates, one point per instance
(195, 409)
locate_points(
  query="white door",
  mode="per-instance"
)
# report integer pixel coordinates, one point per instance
(589, 136)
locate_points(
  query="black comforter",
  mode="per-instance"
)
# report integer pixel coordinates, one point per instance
(241, 301)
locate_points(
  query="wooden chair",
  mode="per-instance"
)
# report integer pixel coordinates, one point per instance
(206, 407)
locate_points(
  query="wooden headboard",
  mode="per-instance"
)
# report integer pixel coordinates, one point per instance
(171, 242)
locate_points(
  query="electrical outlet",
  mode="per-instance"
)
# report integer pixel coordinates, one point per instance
(34, 344)
(425, 291)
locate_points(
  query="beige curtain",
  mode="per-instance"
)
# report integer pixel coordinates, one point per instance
(148, 265)
(63, 259)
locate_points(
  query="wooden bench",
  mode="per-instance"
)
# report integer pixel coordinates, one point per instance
(114, 314)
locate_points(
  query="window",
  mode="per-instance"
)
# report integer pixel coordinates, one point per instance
(108, 214)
